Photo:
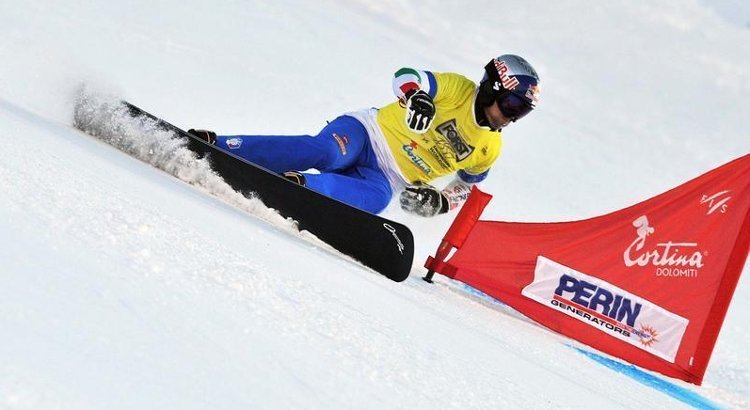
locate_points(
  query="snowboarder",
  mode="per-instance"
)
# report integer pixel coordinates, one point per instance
(442, 123)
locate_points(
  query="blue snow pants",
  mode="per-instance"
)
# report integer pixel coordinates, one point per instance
(342, 153)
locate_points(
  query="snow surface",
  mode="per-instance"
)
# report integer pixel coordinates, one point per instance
(123, 287)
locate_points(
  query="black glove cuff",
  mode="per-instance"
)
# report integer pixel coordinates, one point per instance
(444, 206)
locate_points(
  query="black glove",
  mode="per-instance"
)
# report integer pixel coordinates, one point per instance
(420, 111)
(423, 200)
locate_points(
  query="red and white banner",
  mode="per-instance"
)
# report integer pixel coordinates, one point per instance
(650, 283)
(608, 308)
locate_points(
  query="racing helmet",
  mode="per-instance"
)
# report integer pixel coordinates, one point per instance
(512, 82)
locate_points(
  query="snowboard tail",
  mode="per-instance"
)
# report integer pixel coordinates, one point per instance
(378, 243)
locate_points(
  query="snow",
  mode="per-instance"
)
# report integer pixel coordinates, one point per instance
(124, 287)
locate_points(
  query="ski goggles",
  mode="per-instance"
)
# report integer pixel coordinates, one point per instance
(513, 106)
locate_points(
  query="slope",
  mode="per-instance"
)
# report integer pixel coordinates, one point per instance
(123, 287)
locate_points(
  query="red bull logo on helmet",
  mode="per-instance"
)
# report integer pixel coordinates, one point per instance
(607, 308)
(508, 81)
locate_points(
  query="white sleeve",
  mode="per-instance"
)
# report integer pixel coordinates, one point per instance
(457, 193)
(406, 79)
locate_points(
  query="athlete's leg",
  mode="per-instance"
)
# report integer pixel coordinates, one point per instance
(341, 151)
(362, 187)
(337, 147)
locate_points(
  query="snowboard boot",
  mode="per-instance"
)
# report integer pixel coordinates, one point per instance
(205, 135)
(296, 177)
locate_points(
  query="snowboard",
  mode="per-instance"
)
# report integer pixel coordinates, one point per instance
(385, 246)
